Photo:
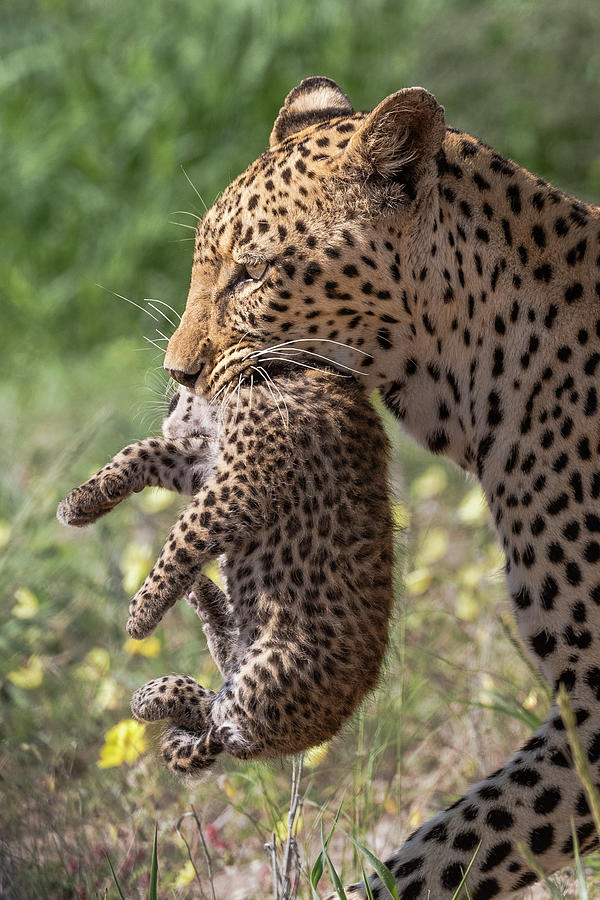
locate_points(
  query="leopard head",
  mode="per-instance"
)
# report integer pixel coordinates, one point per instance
(299, 260)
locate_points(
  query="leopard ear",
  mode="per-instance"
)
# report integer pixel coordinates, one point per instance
(315, 99)
(404, 132)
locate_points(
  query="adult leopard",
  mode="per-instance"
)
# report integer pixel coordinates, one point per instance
(475, 289)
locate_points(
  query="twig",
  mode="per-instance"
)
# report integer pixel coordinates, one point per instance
(189, 852)
(213, 896)
(286, 880)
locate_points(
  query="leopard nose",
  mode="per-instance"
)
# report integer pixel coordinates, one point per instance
(187, 379)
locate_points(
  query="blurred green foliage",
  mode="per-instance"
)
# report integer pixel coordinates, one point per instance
(103, 102)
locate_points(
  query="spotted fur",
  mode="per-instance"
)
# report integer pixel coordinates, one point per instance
(468, 291)
(290, 490)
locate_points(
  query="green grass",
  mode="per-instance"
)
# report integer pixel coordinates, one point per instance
(102, 104)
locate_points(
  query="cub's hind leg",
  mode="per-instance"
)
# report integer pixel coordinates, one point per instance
(190, 742)
(213, 609)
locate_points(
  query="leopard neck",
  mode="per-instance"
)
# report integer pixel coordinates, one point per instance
(502, 269)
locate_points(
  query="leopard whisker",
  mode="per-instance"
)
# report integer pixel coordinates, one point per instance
(184, 212)
(278, 389)
(127, 300)
(162, 303)
(304, 366)
(320, 356)
(154, 344)
(182, 225)
(262, 373)
(195, 189)
(319, 340)
(237, 406)
(160, 312)
(212, 400)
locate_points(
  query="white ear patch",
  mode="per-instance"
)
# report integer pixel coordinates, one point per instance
(314, 100)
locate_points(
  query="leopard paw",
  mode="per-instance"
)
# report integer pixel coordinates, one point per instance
(176, 697)
(187, 752)
(84, 504)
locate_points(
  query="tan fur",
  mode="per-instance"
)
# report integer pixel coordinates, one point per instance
(290, 490)
(467, 290)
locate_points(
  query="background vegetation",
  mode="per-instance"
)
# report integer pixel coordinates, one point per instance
(102, 105)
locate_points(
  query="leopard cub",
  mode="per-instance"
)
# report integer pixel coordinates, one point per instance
(290, 491)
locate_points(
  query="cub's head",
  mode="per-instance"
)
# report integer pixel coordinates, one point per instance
(190, 416)
(299, 260)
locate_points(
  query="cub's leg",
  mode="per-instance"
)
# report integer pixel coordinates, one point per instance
(213, 609)
(202, 532)
(177, 465)
(203, 723)
(190, 742)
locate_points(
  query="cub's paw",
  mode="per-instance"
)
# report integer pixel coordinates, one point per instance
(188, 752)
(176, 697)
(83, 505)
(86, 503)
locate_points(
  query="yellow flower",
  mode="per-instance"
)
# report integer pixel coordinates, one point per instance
(400, 515)
(473, 508)
(155, 499)
(186, 875)
(4, 532)
(124, 742)
(434, 546)
(432, 482)
(108, 694)
(415, 817)
(136, 562)
(280, 829)
(26, 606)
(467, 607)
(98, 659)
(389, 804)
(227, 787)
(28, 676)
(418, 581)
(149, 646)
(316, 755)
(212, 571)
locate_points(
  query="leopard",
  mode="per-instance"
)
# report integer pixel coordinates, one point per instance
(290, 492)
(466, 290)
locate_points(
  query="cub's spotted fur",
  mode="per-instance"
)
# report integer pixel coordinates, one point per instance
(472, 289)
(291, 490)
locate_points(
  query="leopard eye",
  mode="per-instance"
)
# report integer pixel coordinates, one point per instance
(257, 271)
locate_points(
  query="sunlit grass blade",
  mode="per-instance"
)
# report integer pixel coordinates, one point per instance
(368, 891)
(153, 889)
(380, 867)
(580, 759)
(582, 890)
(335, 878)
(463, 881)
(520, 651)
(116, 880)
(317, 869)
(553, 889)
(513, 710)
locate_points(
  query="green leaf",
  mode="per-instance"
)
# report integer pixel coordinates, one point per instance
(339, 888)
(317, 870)
(153, 889)
(114, 875)
(581, 885)
(368, 891)
(465, 874)
(380, 867)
